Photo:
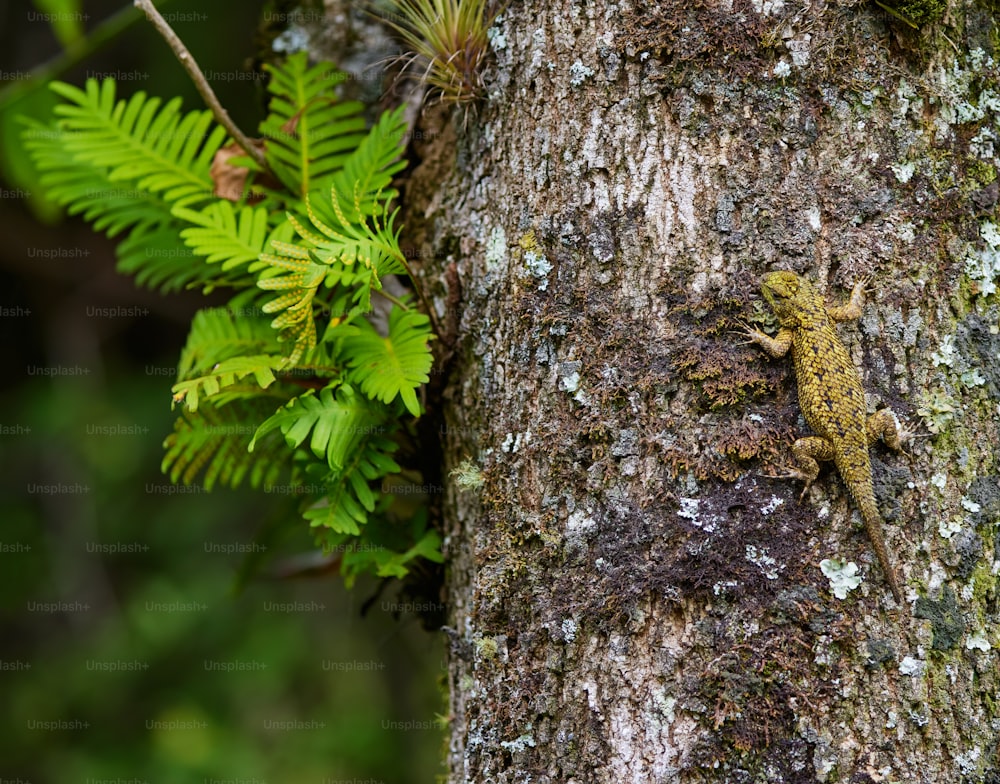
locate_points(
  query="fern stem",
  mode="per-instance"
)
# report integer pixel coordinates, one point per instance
(200, 82)
(394, 300)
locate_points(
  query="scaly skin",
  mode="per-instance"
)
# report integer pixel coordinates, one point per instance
(831, 396)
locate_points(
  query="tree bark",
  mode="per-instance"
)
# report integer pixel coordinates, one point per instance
(631, 598)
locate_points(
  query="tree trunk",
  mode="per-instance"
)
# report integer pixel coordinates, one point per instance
(632, 598)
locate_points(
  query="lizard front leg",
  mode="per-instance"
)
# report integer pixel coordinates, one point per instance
(852, 309)
(777, 346)
(807, 451)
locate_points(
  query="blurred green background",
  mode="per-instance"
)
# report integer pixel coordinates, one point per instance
(131, 650)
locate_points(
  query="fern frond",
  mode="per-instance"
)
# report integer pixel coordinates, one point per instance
(218, 334)
(157, 258)
(137, 141)
(388, 546)
(372, 242)
(236, 239)
(298, 285)
(214, 440)
(352, 436)
(361, 187)
(334, 423)
(349, 500)
(227, 373)
(296, 272)
(223, 348)
(309, 133)
(395, 365)
(84, 189)
(385, 562)
(352, 247)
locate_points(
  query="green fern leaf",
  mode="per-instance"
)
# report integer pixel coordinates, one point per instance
(361, 187)
(158, 259)
(395, 365)
(214, 439)
(351, 248)
(337, 423)
(388, 547)
(224, 347)
(226, 373)
(84, 189)
(349, 500)
(373, 243)
(218, 334)
(338, 510)
(220, 234)
(352, 436)
(309, 134)
(153, 148)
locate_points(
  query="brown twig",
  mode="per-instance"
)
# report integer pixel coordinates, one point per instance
(200, 82)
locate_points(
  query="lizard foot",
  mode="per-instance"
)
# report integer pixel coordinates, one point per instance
(793, 473)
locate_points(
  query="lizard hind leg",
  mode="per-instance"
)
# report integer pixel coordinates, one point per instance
(807, 451)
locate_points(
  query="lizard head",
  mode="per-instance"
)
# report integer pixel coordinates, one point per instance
(787, 294)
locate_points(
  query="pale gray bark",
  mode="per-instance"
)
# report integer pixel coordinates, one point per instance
(631, 599)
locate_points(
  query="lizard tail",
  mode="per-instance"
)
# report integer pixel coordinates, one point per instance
(873, 524)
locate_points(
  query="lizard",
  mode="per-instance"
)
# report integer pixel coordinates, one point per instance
(831, 397)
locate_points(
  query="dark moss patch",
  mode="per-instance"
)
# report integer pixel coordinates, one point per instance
(880, 653)
(968, 547)
(945, 618)
(974, 338)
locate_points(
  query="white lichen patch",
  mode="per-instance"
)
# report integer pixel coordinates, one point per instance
(294, 39)
(512, 443)
(910, 666)
(968, 762)
(815, 218)
(496, 36)
(759, 558)
(903, 171)
(781, 69)
(843, 576)
(539, 267)
(948, 528)
(689, 510)
(977, 642)
(579, 521)
(945, 355)
(520, 743)
(971, 506)
(579, 73)
(771, 505)
(906, 231)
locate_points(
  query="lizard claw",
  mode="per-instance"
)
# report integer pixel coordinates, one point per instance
(792, 473)
(747, 331)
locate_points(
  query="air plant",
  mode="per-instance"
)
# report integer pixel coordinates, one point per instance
(448, 39)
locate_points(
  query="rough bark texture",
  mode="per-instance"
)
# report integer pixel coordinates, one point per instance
(632, 600)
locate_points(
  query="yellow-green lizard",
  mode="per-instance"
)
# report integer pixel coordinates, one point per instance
(831, 396)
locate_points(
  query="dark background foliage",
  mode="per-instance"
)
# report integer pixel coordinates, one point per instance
(143, 638)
